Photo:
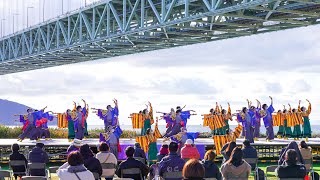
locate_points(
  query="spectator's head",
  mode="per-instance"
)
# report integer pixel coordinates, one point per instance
(230, 148)
(85, 151)
(164, 150)
(236, 157)
(104, 147)
(129, 151)
(193, 169)
(246, 143)
(189, 142)
(15, 147)
(210, 155)
(303, 145)
(173, 147)
(137, 145)
(77, 143)
(291, 157)
(75, 158)
(40, 145)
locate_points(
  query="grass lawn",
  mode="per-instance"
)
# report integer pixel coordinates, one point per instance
(262, 166)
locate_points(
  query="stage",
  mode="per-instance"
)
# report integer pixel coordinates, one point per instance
(56, 148)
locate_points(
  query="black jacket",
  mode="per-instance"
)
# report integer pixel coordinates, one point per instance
(291, 171)
(18, 156)
(138, 152)
(132, 163)
(93, 164)
(38, 155)
(250, 152)
(211, 170)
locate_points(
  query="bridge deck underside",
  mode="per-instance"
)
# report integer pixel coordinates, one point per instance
(116, 28)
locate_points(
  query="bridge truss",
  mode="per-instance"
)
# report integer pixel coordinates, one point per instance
(120, 27)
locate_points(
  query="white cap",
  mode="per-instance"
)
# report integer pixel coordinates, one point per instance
(189, 141)
(77, 142)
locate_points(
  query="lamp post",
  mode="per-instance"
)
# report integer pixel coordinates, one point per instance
(28, 15)
(14, 14)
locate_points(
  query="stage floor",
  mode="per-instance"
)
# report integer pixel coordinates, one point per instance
(200, 141)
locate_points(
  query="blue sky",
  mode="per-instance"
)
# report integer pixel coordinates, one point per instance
(282, 64)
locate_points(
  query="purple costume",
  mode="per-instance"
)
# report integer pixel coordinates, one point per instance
(110, 118)
(248, 124)
(180, 121)
(268, 122)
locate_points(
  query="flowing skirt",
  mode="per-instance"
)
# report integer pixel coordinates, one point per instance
(257, 129)
(296, 131)
(280, 131)
(71, 133)
(146, 125)
(287, 130)
(225, 128)
(306, 127)
(153, 151)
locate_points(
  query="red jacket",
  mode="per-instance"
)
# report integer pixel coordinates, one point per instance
(189, 152)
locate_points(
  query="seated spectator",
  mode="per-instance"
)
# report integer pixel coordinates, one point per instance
(104, 156)
(292, 145)
(38, 155)
(74, 169)
(89, 161)
(193, 170)
(164, 151)
(290, 167)
(249, 152)
(306, 153)
(211, 169)
(226, 150)
(189, 151)
(138, 152)
(75, 146)
(172, 162)
(132, 163)
(16, 156)
(236, 168)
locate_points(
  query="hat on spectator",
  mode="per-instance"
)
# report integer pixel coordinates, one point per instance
(77, 142)
(189, 141)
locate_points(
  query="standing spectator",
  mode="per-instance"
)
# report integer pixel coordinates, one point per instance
(38, 155)
(193, 170)
(138, 152)
(164, 151)
(74, 169)
(236, 168)
(291, 145)
(132, 163)
(172, 162)
(211, 169)
(75, 146)
(189, 151)
(227, 150)
(105, 156)
(16, 156)
(249, 152)
(89, 161)
(306, 153)
(290, 167)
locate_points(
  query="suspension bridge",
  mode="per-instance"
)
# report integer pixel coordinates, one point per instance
(119, 27)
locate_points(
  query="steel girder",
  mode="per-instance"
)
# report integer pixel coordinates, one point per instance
(119, 27)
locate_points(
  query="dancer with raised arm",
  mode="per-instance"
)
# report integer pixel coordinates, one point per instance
(147, 119)
(79, 123)
(297, 120)
(306, 120)
(226, 116)
(109, 116)
(248, 124)
(170, 119)
(112, 137)
(287, 129)
(266, 114)
(254, 114)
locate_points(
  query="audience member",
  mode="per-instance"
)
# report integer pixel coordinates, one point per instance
(138, 152)
(172, 162)
(164, 151)
(211, 169)
(291, 167)
(105, 156)
(74, 169)
(75, 146)
(236, 168)
(89, 161)
(291, 145)
(189, 151)
(130, 162)
(249, 152)
(306, 153)
(193, 170)
(16, 156)
(38, 155)
(227, 150)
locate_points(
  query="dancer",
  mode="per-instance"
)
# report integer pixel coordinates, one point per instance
(278, 120)
(266, 115)
(44, 131)
(296, 118)
(112, 137)
(152, 145)
(306, 120)
(169, 118)
(148, 119)
(79, 123)
(287, 128)
(109, 116)
(253, 111)
(248, 124)
(85, 112)
(71, 117)
(226, 116)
